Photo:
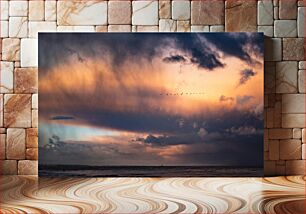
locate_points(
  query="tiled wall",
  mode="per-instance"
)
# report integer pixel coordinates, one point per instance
(281, 20)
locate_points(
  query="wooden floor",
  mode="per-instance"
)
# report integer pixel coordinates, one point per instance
(28, 194)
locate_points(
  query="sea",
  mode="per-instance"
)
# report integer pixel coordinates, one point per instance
(147, 171)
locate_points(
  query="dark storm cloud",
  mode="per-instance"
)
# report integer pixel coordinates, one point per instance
(248, 153)
(171, 140)
(222, 149)
(203, 50)
(62, 117)
(241, 100)
(201, 54)
(245, 75)
(233, 44)
(224, 98)
(174, 59)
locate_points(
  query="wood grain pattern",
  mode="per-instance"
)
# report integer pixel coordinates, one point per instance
(28, 194)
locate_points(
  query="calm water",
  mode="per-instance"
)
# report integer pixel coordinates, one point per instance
(147, 171)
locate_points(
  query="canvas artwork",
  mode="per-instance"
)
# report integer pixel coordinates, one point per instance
(151, 104)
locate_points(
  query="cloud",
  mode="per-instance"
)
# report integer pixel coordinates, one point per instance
(245, 75)
(243, 130)
(241, 100)
(246, 152)
(174, 59)
(239, 45)
(225, 99)
(200, 52)
(202, 132)
(62, 117)
(178, 139)
(206, 51)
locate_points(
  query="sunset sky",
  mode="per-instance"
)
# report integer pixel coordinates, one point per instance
(151, 98)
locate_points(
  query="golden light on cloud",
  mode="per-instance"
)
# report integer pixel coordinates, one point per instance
(168, 88)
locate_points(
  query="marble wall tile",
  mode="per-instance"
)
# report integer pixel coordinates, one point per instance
(207, 12)
(304, 135)
(290, 149)
(302, 65)
(32, 154)
(301, 22)
(101, 28)
(1, 110)
(26, 80)
(18, 27)
(17, 110)
(8, 167)
(286, 77)
(28, 167)
(91, 12)
(145, 12)
(119, 12)
(293, 103)
(293, 120)
(216, 28)
(4, 10)
(180, 10)
(6, 77)
(75, 29)
(4, 32)
(274, 146)
(34, 118)
(15, 143)
(293, 49)
(199, 28)
(11, 49)
(295, 167)
(241, 15)
(36, 10)
(277, 117)
(301, 81)
(301, 3)
(275, 13)
(32, 138)
(270, 117)
(183, 26)
(167, 25)
(29, 53)
(147, 28)
(38, 26)
(280, 133)
(165, 9)
(18, 8)
(2, 146)
(266, 30)
(285, 28)
(50, 10)
(287, 9)
(297, 133)
(35, 101)
(265, 12)
(119, 28)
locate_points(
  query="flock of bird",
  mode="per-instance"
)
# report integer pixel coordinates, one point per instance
(182, 93)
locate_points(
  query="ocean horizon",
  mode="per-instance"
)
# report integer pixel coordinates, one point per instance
(148, 171)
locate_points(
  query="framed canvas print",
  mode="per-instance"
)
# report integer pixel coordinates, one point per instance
(151, 104)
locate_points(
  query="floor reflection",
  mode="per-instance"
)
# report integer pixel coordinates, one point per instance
(152, 195)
